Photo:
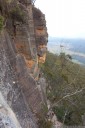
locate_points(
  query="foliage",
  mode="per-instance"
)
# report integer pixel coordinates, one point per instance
(66, 87)
(17, 14)
(1, 22)
(69, 56)
(60, 111)
(43, 122)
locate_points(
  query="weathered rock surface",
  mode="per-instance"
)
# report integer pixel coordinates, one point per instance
(10, 84)
(7, 116)
(22, 48)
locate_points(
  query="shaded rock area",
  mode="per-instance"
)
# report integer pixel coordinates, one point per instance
(10, 85)
(20, 55)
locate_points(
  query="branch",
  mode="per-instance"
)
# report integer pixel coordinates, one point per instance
(72, 94)
(65, 116)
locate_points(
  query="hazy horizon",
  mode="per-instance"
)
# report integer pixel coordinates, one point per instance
(65, 18)
(74, 47)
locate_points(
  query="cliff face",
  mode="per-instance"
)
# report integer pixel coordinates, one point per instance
(23, 42)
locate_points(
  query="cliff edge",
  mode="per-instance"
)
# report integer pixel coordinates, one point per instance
(23, 40)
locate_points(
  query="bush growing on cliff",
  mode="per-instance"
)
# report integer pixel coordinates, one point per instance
(17, 14)
(1, 22)
(43, 122)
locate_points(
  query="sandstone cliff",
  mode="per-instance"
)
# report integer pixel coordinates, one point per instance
(23, 39)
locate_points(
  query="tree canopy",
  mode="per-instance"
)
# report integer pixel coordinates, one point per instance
(66, 88)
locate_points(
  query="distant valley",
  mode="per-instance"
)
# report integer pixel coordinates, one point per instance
(74, 47)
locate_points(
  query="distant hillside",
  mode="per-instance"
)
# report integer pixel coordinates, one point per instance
(66, 88)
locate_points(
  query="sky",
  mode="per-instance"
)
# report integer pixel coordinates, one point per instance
(65, 18)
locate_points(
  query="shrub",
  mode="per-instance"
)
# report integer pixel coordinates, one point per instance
(59, 111)
(17, 14)
(43, 122)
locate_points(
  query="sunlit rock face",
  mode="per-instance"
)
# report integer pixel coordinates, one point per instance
(22, 47)
(40, 34)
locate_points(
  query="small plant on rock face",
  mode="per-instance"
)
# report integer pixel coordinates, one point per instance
(17, 14)
(43, 122)
(1, 22)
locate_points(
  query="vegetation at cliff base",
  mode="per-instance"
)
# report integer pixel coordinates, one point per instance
(66, 88)
(43, 122)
